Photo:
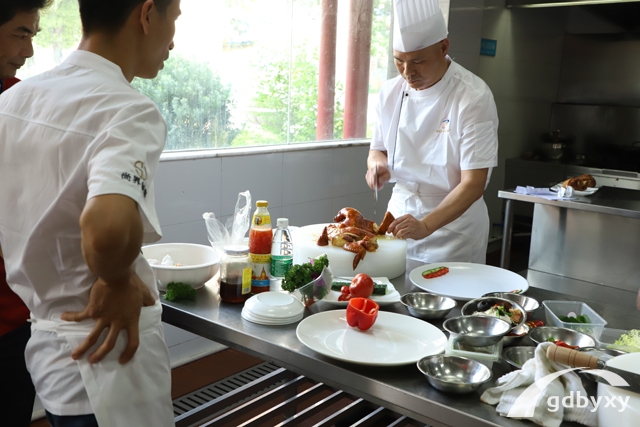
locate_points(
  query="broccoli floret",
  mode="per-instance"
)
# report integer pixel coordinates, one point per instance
(301, 274)
(179, 291)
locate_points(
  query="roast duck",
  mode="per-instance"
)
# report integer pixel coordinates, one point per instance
(580, 183)
(354, 233)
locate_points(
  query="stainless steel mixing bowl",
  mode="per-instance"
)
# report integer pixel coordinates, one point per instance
(569, 336)
(427, 306)
(529, 304)
(454, 374)
(517, 356)
(477, 331)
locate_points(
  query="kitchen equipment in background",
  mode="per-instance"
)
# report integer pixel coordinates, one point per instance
(514, 337)
(454, 374)
(486, 303)
(477, 331)
(554, 144)
(557, 310)
(517, 356)
(529, 304)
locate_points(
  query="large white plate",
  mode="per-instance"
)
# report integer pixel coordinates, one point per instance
(589, 191)
(394, 339)
(466, 281)
(392, 296)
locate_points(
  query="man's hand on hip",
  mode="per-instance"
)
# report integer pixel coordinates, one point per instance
(116, 308)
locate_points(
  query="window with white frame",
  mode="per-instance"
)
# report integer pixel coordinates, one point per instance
(256, 72)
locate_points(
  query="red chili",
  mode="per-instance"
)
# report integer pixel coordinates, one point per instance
(362, 313)
(535, 323)
(561, 343)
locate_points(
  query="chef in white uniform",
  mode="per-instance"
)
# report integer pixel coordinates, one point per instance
(79, 149)
(436, 137)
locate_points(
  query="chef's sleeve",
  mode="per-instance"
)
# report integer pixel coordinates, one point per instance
(377, 139)
(479, 140)
(123, 159)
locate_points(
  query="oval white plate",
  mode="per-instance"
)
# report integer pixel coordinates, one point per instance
(392, 296)
(589, 191)
(394, 339)
(466, 281)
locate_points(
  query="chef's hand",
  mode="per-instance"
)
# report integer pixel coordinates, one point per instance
(408, 227)
(116, 307)
(383, 176)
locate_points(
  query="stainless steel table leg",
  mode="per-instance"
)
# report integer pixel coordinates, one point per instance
(507, 234)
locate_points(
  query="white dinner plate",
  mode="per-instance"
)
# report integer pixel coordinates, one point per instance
(394, 339)
(589, 191)
(466, 281)
(392, 296)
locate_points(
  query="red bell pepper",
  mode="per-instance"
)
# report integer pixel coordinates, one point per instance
(362, 313)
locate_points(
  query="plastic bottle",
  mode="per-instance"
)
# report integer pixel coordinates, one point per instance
(281, 252)
(260, 236)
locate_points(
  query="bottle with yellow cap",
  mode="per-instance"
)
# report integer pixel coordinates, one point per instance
(260, 236)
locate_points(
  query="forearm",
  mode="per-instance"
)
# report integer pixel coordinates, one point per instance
(457, 201)
(376, 156)
(111, 236)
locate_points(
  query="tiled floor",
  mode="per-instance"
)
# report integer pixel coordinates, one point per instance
(202, 372)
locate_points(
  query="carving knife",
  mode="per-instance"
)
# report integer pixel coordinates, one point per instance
(578, 359)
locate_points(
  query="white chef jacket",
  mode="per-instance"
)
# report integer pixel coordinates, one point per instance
(70, 134)
(430, 136)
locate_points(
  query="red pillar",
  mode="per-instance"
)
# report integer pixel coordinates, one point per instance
(358, 58)
(327, 71)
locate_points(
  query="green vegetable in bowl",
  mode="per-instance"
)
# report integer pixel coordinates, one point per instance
(179, 291)
(301, 274)
(628, 342)
(581, 318)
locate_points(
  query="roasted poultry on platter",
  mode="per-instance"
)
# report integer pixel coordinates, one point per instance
(354, 233)
(580, 183)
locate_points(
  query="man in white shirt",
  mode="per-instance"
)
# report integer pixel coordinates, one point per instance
(436, 136)
(79, 148)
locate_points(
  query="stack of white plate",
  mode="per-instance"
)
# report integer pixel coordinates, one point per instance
(273, 308)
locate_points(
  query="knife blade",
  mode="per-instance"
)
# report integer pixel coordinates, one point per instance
(579, 359)
(376, 182)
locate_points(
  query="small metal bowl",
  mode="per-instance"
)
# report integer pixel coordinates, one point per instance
(529, 304)
(454, 374)
(569, 336)
(517, 356)
(472, 306)
(427, 306)
(477, 331)
(516, 335)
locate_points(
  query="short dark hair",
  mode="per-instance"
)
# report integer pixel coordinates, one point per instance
(110, 16)
(9, 8)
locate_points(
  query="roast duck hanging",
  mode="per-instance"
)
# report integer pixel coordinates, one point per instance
(354, 233)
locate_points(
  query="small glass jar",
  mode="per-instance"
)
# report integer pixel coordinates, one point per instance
(235, 274)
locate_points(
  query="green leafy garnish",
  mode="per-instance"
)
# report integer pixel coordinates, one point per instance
(581, 318)
(301, 274)
(179, 291)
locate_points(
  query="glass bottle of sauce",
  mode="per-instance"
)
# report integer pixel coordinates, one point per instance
(235, 274)
(260, 236)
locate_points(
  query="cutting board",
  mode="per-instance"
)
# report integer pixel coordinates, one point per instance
(389, 260)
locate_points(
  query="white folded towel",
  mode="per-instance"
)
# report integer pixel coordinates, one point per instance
(544, 407)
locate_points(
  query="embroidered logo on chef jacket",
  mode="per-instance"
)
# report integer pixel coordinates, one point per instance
(140, 177)
(444, 126)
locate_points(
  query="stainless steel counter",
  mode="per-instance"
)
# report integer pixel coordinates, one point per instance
(401, 389)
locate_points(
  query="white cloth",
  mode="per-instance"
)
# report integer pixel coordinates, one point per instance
(545, 193)
(417, 24)
(512, 385)
(70, 134)
(430, 136)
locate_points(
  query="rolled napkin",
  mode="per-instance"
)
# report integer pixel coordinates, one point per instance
(536, 393)
(545, 193)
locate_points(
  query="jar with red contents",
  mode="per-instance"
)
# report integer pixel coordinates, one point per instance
(260, 236)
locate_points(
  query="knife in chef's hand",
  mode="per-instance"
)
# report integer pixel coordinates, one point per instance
(578, 359)
(376, 184)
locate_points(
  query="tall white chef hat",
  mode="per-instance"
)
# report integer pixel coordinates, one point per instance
(417, 24)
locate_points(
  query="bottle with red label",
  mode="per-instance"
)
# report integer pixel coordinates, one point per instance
(260, 236)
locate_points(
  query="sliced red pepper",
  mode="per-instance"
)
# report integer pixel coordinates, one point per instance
(535, 323)
(362, 313)
(561, 343)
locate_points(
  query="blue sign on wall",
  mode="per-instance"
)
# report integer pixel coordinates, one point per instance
(488, 47)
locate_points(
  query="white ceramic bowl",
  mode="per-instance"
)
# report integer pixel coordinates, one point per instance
(199, 263)
(274, 305)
